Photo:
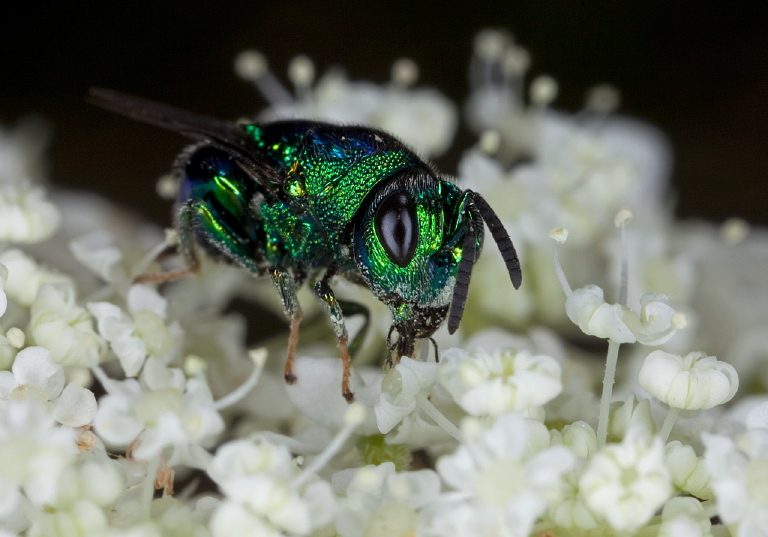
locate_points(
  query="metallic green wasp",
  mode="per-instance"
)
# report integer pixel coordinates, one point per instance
(307, 201)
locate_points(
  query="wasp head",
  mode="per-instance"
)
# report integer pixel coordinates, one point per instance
(415, 240)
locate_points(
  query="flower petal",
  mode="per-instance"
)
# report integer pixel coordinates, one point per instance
(76, 407)
(34, 365)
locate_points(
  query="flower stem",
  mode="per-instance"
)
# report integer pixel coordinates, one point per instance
(669, 421)
(624, 282)
(335, 445)
(605, 400)
(148, 492)
(142, 266)
(559, 271)
(102, 377)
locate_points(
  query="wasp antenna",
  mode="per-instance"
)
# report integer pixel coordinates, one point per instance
(463, 276)
(501, 237)
(165, 116)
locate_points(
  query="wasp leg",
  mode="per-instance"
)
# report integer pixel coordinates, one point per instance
(437, 353)
(186, 248)
(390, 347)
(324, 291)
(403, 346)
(349, 309)
(287, 287)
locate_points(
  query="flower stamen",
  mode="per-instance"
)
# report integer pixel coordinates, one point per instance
(259, 358)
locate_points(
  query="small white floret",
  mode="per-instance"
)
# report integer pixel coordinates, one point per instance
(691, 382)
(587, 308)
(687, 469)
(626, 483)
(504, 478)
(27, 215)
(739, 470)
(25, 276)
(491, 383)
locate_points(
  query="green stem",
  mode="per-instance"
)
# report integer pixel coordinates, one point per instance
(669, 421)
(605, 400)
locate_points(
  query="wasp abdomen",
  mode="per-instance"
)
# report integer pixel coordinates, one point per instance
(219, 193)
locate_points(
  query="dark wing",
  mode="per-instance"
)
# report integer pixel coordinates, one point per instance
(224, 134)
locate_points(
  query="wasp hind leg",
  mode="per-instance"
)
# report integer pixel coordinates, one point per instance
(287, 286)
(186, 247)
(324, 291)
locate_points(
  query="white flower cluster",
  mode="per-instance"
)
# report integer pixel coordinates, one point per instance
(129, 410)
(28, 216)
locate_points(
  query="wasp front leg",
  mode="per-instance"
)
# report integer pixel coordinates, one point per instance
(287, 287)
(350, 309)
(324, 291)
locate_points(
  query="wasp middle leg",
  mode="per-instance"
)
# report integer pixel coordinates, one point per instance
(324, 291)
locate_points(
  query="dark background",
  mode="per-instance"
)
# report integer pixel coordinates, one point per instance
(697, 70)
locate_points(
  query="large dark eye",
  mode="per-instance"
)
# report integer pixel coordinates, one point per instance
(397, 227)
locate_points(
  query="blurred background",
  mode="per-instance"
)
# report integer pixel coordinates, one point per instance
(697, 70)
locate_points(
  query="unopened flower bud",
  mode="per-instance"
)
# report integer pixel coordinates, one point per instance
(692, 382)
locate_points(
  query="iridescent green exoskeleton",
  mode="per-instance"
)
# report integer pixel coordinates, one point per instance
(306, 201)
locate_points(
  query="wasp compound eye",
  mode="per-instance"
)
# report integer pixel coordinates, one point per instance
(397, 227)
